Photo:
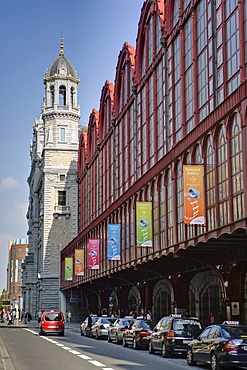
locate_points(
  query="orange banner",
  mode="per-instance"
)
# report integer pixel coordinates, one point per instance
(79, 262)
(194, 213)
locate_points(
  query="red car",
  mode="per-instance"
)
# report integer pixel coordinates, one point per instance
(52, 322)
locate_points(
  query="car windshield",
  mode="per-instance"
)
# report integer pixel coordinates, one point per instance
(53, 317)
(234, 332)
(186, 324)
(105, 321)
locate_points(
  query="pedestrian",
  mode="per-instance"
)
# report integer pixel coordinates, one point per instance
(211, 318)
(143, 314)
(149, 315)
(69, 316)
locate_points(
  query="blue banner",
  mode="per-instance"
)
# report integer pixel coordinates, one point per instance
(113, 242)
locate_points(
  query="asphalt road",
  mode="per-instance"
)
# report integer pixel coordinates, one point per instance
(28, 351)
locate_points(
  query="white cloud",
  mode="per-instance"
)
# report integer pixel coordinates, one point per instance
(17, 215)
(8, 183)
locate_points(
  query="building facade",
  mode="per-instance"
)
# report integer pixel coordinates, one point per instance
(18, 250)
(53, 191)
(179, 98)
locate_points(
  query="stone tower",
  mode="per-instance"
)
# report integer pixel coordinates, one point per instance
(53, 196)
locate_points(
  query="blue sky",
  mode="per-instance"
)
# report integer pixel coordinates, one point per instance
(94, 33)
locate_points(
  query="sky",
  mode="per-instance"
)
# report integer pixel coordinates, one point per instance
(94, 33)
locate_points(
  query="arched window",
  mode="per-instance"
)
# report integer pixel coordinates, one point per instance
(210, 185)
(222, 169)
(72, 91)
(157, 34)
(170, 208)
(156, 218)
(162, 215)
(180, 201)
(237, 169)
(150, 40)
(62, 96)
(52, 96)
(175, 12)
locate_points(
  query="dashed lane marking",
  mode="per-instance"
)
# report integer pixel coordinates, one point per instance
(96, 363)
(73, 352)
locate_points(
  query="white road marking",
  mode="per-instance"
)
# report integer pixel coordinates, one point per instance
(97, 363)
(72, 351)
(84, 357)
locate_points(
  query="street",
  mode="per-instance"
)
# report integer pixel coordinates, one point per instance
(27, 351)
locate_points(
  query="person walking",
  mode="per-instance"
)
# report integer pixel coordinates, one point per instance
(69, 316)
(211, 318)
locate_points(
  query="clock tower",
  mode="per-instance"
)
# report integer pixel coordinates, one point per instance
(53, 200)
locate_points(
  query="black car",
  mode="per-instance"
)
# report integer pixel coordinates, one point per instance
(220, 346)
(173, 333)
(137, 335)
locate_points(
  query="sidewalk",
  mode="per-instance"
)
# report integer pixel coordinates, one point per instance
(5, 360)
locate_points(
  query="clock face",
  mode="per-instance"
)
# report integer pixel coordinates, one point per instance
(62, 71)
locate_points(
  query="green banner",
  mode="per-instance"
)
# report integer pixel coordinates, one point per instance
(68, 268)
(144, 233)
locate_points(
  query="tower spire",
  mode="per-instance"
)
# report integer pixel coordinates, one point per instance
(61, 46)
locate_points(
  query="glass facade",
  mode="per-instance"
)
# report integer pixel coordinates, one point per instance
(170, 105)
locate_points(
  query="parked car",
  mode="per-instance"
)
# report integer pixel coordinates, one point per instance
(220, 346)
(100, 328)
(137, 335)
(173, 333)
(85, 328)
(52, 322)
(116, 330)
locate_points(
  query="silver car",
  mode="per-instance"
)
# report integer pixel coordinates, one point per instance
(100, 328)
(85, 329)
(116, 330)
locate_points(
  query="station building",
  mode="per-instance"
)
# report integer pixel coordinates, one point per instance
(179, 101)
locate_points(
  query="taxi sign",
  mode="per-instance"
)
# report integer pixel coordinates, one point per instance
(175, 315)
(231, 323)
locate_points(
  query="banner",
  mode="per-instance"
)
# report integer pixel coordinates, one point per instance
(68, 268)
(194, 213)
(79, 262)
(93, 254)
(113, 232)
(144, 233)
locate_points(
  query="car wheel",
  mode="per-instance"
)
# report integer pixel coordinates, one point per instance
(135, 344)
(61, 334)
(150, 348)
(40, 331)
(164, 351)
(214, 363)
(109, 338)
(124, 342)
(189, 357)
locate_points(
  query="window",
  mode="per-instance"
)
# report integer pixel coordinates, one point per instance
(223, 191)
(232, 45)
(62, 96)
(237, 169)
(72, 96)
(52, 95)
(62, 134)
(62, 198)
(210, 184)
